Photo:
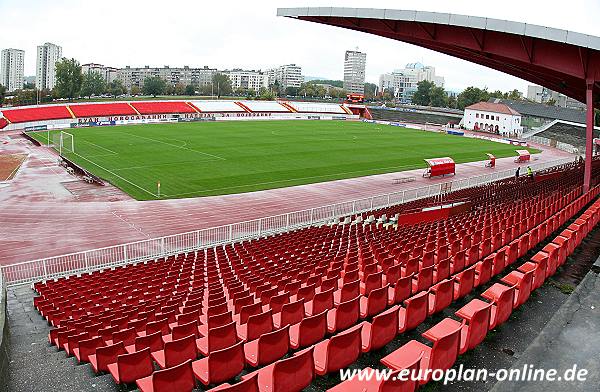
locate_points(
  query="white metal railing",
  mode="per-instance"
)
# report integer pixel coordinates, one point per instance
(112, 256)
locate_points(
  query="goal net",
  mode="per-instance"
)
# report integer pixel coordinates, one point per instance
(64, 142)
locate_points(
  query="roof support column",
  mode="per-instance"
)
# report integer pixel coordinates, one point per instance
(589, 135)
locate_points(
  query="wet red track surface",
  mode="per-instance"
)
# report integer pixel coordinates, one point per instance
(44, 211)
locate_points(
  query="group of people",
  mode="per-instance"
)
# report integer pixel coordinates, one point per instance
(529, 172)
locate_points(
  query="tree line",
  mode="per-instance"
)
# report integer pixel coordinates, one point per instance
(428, 94)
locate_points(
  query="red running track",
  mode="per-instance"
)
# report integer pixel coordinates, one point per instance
(46, 212)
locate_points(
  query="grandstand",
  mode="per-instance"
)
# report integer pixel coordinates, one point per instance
(413, 116)
(567, 133)
(244, 316)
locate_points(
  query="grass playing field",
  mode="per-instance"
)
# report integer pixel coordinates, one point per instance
(215, 158)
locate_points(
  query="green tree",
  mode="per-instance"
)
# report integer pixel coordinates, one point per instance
(452, 102)
(179, 89)
(221, 84)
(154, 85)
(93, 84)
(423, 94)
(515, 95)
(68, 78)
(498, 94)
(190, 89)
(2, 93)
(370, 90)
(266, 94)
(135, 90)
(438, 97)
(293, 91)
(116, 88)
(470, 96)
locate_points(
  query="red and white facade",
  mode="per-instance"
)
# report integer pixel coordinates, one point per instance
(496, 118)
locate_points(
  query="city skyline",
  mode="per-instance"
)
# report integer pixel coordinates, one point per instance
(254, 37)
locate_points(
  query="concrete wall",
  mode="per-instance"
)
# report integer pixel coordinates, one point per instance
(3, 338)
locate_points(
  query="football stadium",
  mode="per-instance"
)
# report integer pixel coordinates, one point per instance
(288, 244)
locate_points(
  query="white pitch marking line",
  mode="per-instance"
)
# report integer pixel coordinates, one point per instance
(182, 147)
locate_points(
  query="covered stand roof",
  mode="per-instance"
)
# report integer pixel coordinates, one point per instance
(558, 59)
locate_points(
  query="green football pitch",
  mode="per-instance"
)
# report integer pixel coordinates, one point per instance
(216, 158)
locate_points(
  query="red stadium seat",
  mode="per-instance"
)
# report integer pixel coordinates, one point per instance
(178, 378)
(374, 303)
(477, 315)
(442, 355)
(347, 292)
(414, 313)
(322, 301)
(382, 330)
(502, 298)
(287, 375)
(344, 316)
(217, 339)
(220, 365)
(130, 367)
(291, 313)
(162, 107)
(256, 326)
(338, 352)
(400, 291)
(176, 352)
(102, 109)
(394, 383)
(308, 331)
(268, 348)
(440, 296)
(248, 384)
(86, 348)
(522, 283)
(105, 355)
(153, 341)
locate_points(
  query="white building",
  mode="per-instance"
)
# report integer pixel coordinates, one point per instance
(495, 118)
(354, 71)
(186, 75)
(109, 74)
(251, 80)
(402, 83)
(289, 75)
(47, 57)
(11, 69)
(541, 94)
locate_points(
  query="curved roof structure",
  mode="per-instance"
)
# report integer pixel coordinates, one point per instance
(562, 60)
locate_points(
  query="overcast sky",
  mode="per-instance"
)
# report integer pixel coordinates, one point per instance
(248, 34)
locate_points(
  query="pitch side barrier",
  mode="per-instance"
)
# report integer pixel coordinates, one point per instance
(139, 251)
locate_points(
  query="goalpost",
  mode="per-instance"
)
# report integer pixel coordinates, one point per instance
(64, 141)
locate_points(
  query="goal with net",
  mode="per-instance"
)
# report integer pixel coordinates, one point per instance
(64, 142)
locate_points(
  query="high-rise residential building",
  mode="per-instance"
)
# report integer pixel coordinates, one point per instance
(109, 74)
(47, 57)
(402, 83)
(251, 80)
(131, 76)
(354, 71)
(541, 94)
(289, 75)
(11, 69)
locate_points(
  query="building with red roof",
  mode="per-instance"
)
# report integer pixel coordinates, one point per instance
(493, 117)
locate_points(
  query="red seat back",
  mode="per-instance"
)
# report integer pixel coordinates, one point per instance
(445, 350)
(294, 373)
(384, 328)
(226, 363)
(135, 365)
(273, 345)
(259, 324)
(312, 329)
(152, 341)
(347, 314)
(108, 354)
(222, 337)
(377, 301)
(180, 350)
(176, 378)
(88, 347)
(344, 349)
(292, 313)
